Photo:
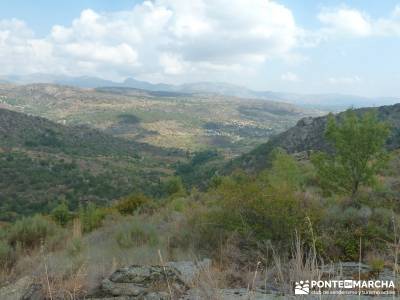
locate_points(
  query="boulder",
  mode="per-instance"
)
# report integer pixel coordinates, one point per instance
(151, 282)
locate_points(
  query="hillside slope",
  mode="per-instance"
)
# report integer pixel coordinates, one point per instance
(164, 119)
(308, 134)
(43, 163)
(21, 130)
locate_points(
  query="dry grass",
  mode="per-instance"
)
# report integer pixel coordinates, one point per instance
(71, 275)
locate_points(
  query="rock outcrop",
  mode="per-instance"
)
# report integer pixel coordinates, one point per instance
(174, 280)
(308, 135)
(171, 280)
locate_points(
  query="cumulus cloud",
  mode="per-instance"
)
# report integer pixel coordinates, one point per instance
(156, 39)
(346, 21)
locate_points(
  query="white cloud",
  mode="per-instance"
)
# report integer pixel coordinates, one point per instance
(156, 39)
(347, 80)
(172, 64)
(345, 21)
(289, 76)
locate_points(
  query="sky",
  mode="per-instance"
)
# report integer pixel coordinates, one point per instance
(347, 47)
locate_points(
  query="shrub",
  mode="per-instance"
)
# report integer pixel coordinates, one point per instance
(137, 234)
(74, 247)
(285, 171)
(254, 209)
(377, 265)
(343, 227)
(6, 258)
(61, 214)
(174, 186)
(178, 204)
(130, 204)
(91, 217)
(31, 231)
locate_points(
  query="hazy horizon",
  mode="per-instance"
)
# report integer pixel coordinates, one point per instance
(332, 47)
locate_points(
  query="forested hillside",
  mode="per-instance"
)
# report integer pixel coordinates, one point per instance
(43, 163)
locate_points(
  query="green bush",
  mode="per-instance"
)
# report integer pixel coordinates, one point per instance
(31, 231)
(61, 214)
(91, 217)
(130, 204)
(264, 208)
(178, 204)
(137, 234)
(174, 187)
(377, 265)
(344, 226)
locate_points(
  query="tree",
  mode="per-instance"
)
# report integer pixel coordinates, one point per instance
(358, 152)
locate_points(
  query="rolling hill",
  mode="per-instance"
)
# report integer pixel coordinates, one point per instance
(187, 121)
(43, 163)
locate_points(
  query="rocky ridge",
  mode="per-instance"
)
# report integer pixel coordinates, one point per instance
(308, 135)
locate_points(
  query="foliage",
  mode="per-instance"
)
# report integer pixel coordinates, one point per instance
(31, 184)
(285, 170)
(266, 208)
(174, 187)
(91, 217)
(136, 235)
(358, 153)
(200, 169)
(132, 203)
(377, 264)
(74, 247)
(6, 251)
(30, 232)
(61, 214)
(343, 226)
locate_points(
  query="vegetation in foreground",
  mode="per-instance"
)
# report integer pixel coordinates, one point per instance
(241, 221)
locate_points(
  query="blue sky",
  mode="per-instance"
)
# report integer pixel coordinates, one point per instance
(288, 45)
(41, 15)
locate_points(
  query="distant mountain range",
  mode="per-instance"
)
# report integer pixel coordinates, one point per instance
(334, 102)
